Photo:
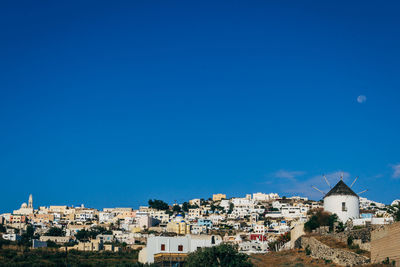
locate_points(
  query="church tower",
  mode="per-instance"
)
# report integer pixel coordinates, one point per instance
(30, 203)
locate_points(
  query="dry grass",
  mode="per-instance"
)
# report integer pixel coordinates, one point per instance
(290, 258)
(333, 243)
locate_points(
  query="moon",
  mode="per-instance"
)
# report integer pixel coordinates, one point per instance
(361, 99)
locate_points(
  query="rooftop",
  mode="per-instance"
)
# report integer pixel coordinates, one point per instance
(341, 189)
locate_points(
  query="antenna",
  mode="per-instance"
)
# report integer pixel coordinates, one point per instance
(341, 176)
(326, 180)
(318, 190)
(362, 192)
(353, 182)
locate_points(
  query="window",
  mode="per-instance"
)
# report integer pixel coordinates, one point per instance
(180, 248)
(162, 247)
(213, 240)
(344, 206)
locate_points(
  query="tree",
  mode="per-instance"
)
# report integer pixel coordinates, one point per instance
(26, 238)
(219, 256)
(55, 231)
(185, 206)
(4, 242)
(176, 208)
(320, 218)
(213, 207)
(83, 235)
(52, 244)
(158, 204)
(30, 231)
(396, 213)
(231, 206)
(281, 240)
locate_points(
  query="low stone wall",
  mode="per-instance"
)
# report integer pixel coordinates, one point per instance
(361, 237)
(336, 255)
(363, 234)
(363, 246)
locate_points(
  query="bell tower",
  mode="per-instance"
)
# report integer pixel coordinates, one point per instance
(30, 203)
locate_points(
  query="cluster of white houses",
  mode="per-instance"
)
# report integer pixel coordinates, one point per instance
(250, 222)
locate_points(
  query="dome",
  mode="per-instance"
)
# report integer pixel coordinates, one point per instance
(24, 206)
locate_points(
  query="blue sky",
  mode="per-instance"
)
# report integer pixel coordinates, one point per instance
(113, 103)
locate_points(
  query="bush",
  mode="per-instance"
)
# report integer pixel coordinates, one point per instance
(158, 204)
(308, 250)
(218, 256)
(55, 231)
(52, 244)
(349, 240)
(320, 218)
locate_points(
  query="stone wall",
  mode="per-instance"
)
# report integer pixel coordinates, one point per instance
(363, 246)
(385, 243)
(364, 234)
(336, 255)
(361, 237)
(295, 233)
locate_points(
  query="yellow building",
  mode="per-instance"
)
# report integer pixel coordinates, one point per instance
(93, 245)
(179, 226)
(218, 197)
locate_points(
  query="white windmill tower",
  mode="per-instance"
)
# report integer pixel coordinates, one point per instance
(342, 201)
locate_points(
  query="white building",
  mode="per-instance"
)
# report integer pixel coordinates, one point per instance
(25, 209)
(395, 202)
(225, 203)
(259, 229)
(252, 247)
(373, 221)
(294, 211)
(194, 213)
(366, 203)
(298, 198)
(11, 237)
(264, 197)
(198, 229)
(106, 217)
(342, 201)
(160, 215)
(242, 202)
(184, 245)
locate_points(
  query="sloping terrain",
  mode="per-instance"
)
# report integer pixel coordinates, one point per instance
(289, 258)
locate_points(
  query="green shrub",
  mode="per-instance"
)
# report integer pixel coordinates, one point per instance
(320, 218)
(308, 250)
(218, 256)
(349, 241)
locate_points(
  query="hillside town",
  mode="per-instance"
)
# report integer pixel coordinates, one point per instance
(256, 223)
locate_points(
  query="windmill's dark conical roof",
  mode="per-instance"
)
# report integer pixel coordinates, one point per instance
(341, 189)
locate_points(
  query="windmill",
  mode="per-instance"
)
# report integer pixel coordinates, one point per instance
(342, 200)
